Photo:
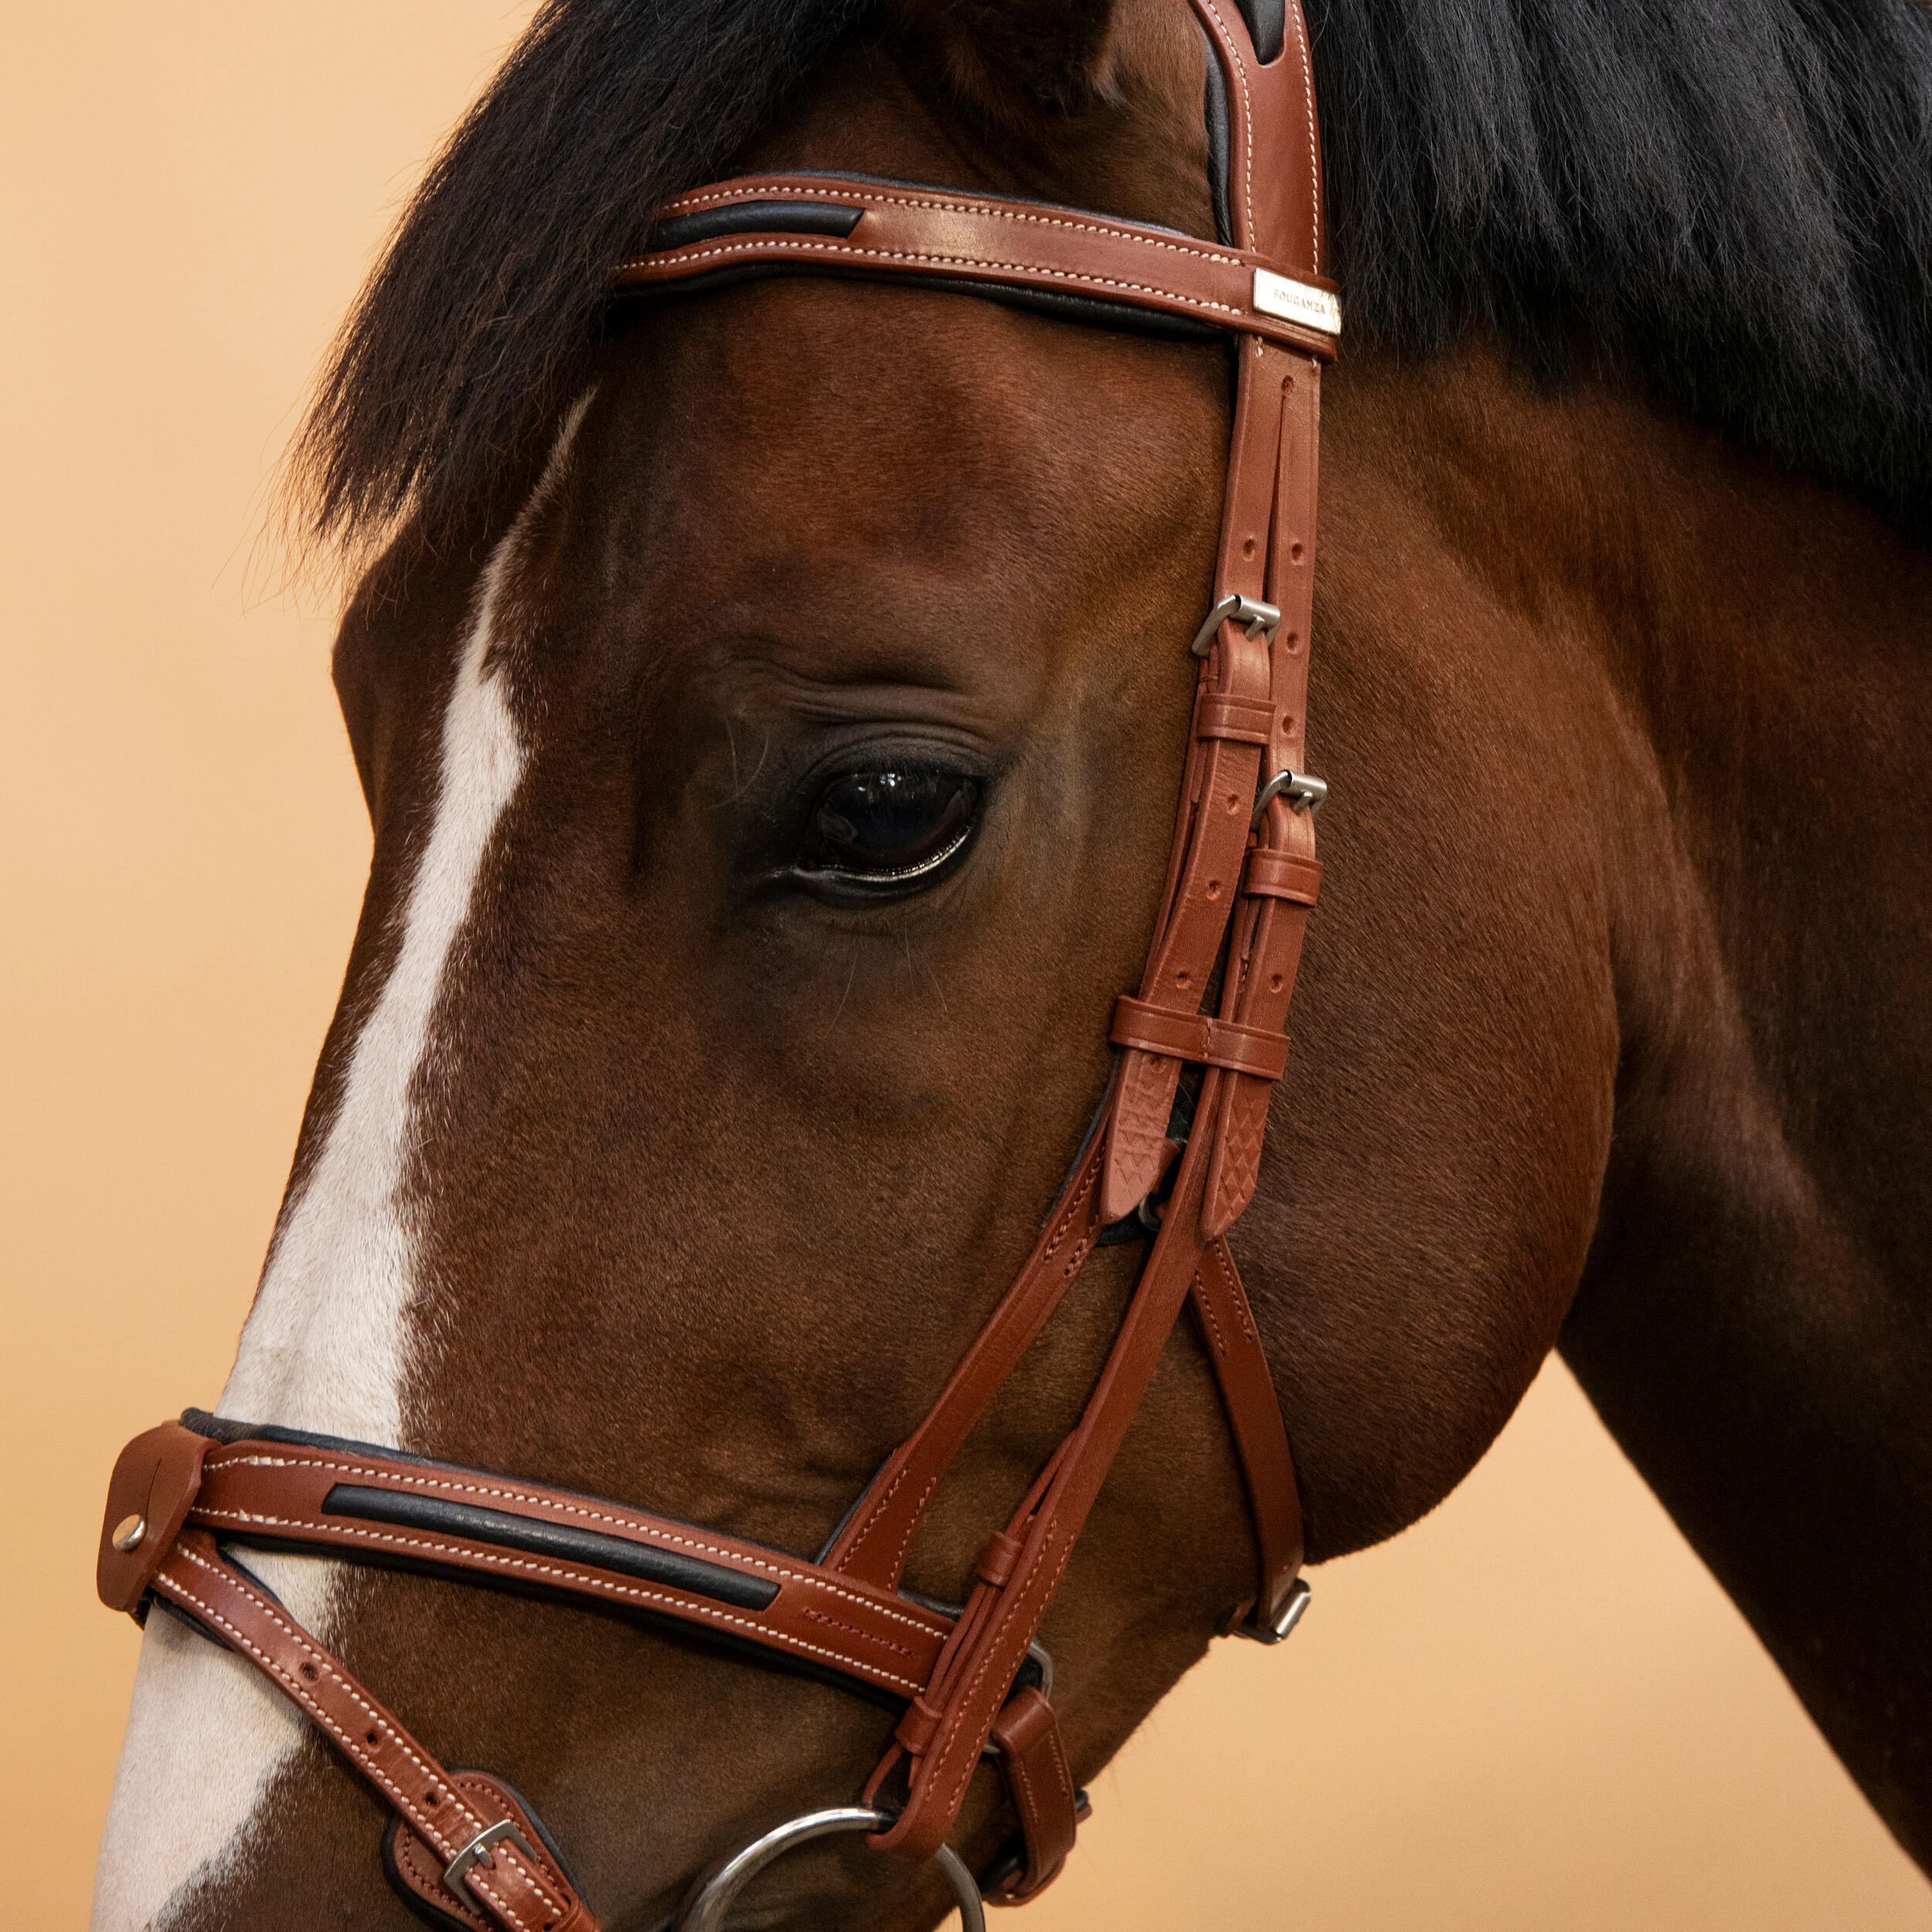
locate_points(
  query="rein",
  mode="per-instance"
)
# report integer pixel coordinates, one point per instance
(972, 1682)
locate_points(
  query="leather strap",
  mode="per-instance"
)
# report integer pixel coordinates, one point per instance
(1233, 1343)
(1196, 1036)
(520, 1888)
(1282, 875)
(903, 230)
(1000, 1619)
(874, 1545)
(468, 1524)
(1032, 1765)
(416, 1868)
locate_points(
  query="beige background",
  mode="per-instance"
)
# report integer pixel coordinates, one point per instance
(1533, 1711)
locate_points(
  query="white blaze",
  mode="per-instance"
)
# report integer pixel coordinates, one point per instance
(325, 1347)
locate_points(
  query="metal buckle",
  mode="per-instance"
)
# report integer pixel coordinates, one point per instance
(1277, 1628)
(477, 1852)
(704, 1911)
(1303, 790)
(1262, 620)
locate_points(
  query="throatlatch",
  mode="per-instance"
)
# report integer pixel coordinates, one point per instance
(1241, 881)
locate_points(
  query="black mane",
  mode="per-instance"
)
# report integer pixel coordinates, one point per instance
(1733, 196)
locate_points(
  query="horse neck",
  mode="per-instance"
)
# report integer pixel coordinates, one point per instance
(1743, 657)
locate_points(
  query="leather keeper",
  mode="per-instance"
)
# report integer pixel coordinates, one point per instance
(918, 1728)
(997, 1558)
(1248, 721)
(156, 1480)
(1195, 1036)
(1282, 875)
(1033, 1763)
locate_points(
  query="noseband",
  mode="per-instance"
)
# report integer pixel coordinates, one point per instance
(969, 1684)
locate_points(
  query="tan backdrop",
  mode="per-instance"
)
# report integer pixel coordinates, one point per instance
(1533, 1711)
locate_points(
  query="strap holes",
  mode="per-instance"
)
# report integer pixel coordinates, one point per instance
(1214, 889)
(1234, 801)
(1274, 983)
(1294, 551)
(1183, 977)
(370, 1737)
(310, 1674)
(432, 1799)
(1247, 546)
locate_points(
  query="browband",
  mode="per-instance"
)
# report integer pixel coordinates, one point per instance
(1126, 273)
(1241, 881)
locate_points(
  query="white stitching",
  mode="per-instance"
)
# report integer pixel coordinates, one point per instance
(408, 1863)
(764, 1630)
(502, 1905)
(959, 1703)
(1247, 125)
(176, 1587)
(1038, 1264)
(300, 1639)
(571, 1509)
(1315, 145)
(958, 261)
(783, 190)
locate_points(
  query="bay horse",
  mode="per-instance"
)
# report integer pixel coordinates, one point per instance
(646, 1159)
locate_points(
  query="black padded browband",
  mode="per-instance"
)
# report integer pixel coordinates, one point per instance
(832, 218)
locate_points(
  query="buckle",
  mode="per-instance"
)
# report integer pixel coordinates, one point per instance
(1302, 789)
(1277, 1627)
(1262, 620)
(477, 1852)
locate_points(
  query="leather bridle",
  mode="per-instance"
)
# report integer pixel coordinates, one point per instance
(968, 1682)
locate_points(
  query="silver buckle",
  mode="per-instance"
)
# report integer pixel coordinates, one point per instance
(1302, 789)
(1277, 1628)
(477, 1852)
(1262, 620)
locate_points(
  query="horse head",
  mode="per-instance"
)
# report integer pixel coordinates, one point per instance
(771, 772)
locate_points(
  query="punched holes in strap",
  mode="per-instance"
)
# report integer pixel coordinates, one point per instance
(1282, 875)
(1257, 1050)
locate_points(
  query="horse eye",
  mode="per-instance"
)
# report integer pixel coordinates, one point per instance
(897, 828)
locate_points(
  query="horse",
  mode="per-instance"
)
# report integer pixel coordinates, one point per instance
(649, 1160)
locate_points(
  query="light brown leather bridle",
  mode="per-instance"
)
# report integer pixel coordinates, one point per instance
(970, 1682)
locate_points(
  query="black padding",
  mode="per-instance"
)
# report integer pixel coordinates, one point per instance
(223, 1429)
(589, 1548)
(1216, 111)
(1267, 25)
(755, 217)
(1044, 301)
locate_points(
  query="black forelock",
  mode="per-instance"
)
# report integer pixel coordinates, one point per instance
(1734, 197)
